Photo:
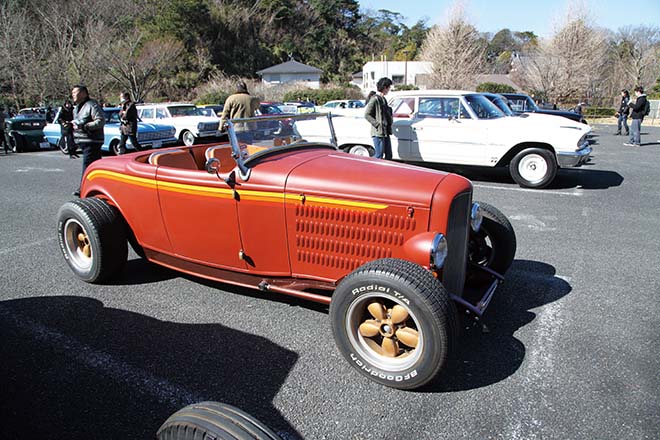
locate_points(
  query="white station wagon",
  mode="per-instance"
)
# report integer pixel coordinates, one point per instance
(189, 123)
(465, 128)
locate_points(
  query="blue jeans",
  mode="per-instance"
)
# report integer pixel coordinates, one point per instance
(622, 121)
(635, 132)
(383, 147)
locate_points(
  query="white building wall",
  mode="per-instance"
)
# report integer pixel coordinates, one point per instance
(311, 80)
(400, 72)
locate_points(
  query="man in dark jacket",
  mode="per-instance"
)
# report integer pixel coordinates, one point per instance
(622, 113)
(129, 123)
(379, 115)
(638, 111)
(87, 124)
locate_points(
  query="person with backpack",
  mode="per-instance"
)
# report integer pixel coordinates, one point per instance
(640, 108)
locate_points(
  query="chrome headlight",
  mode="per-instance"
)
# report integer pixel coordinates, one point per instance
(476, 217)
(438, 251)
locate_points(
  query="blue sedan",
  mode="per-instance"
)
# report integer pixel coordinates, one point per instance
(149, 135)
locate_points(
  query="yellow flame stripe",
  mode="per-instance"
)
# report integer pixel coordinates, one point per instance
(261, 196)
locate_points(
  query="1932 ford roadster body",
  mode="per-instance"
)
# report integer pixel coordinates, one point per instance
(394, 249)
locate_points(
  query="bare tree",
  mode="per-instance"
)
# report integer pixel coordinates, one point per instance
(569, 65)
(139, 66)
(456, 50)
(637, 55)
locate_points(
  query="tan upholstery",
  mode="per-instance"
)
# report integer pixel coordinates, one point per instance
(173, 158)
(223, 154)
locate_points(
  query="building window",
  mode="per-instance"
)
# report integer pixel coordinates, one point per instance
(397, 79)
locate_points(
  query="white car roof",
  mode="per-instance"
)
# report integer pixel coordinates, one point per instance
(431, 92)
(165, 104)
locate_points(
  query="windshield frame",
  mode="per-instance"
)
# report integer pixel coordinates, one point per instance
(245, 160)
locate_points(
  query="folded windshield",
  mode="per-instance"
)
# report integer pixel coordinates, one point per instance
(256, 137)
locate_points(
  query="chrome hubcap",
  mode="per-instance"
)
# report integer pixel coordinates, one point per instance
(77, 244)
(533, 168)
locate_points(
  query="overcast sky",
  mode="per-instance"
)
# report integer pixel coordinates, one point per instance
(539, 16)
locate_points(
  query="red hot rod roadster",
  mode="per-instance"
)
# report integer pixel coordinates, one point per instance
(395, 250)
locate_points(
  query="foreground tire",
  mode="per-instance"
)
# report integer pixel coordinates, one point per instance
(61, 144)
(494, 246)
(360, 150)
(187, 138)
(394, 323)
(212, 420)
(92, 238)
(533, 168)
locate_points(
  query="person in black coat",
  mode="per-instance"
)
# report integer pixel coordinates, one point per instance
(622, 113)
(64, 118)
(129, 123)
(638, 111)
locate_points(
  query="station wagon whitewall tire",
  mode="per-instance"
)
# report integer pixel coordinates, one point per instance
(187, 138)
(360, 150)
(92, 237)
(213, 420)
(533, 168)
(394, 323)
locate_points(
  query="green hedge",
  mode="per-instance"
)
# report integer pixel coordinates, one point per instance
(599, 112)
(215, 97)
(492, 87)
(321, 96)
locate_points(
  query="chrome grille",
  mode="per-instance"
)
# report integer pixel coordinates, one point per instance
(154, 135)
(458, 228)
(210, 126)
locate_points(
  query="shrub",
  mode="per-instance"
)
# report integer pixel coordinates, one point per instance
(599, 112)
(495, 88)
(406, 87)
(321, 96)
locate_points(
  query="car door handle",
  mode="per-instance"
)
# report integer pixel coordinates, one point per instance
(420, 128)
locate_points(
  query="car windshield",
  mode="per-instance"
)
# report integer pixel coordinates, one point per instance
(267, 109)
(483, 108)
(252, 138)
(111, 116)
(501, 104)
(183, 110)
(522, 104)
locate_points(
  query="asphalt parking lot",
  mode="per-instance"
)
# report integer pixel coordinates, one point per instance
(570, 351)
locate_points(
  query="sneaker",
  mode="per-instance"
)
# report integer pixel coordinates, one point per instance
(618, 133)
(628, 144)
(76, 193)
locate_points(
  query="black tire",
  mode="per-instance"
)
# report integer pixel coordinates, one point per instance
(393, 287)
(494, 246)
(533, 168)
(61, 144)
(114, 148)
(17, 143)
(360, 150)
(92, 238)
(213, 420)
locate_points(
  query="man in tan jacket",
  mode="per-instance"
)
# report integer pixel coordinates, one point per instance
(239, 105)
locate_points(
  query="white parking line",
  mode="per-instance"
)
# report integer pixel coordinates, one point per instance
(576, 193)
(26, 245)
(137, 379)
(39, 169)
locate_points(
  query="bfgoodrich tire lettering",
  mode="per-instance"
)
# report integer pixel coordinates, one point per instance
(92, 237)
(394, 323)
(213, 420)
